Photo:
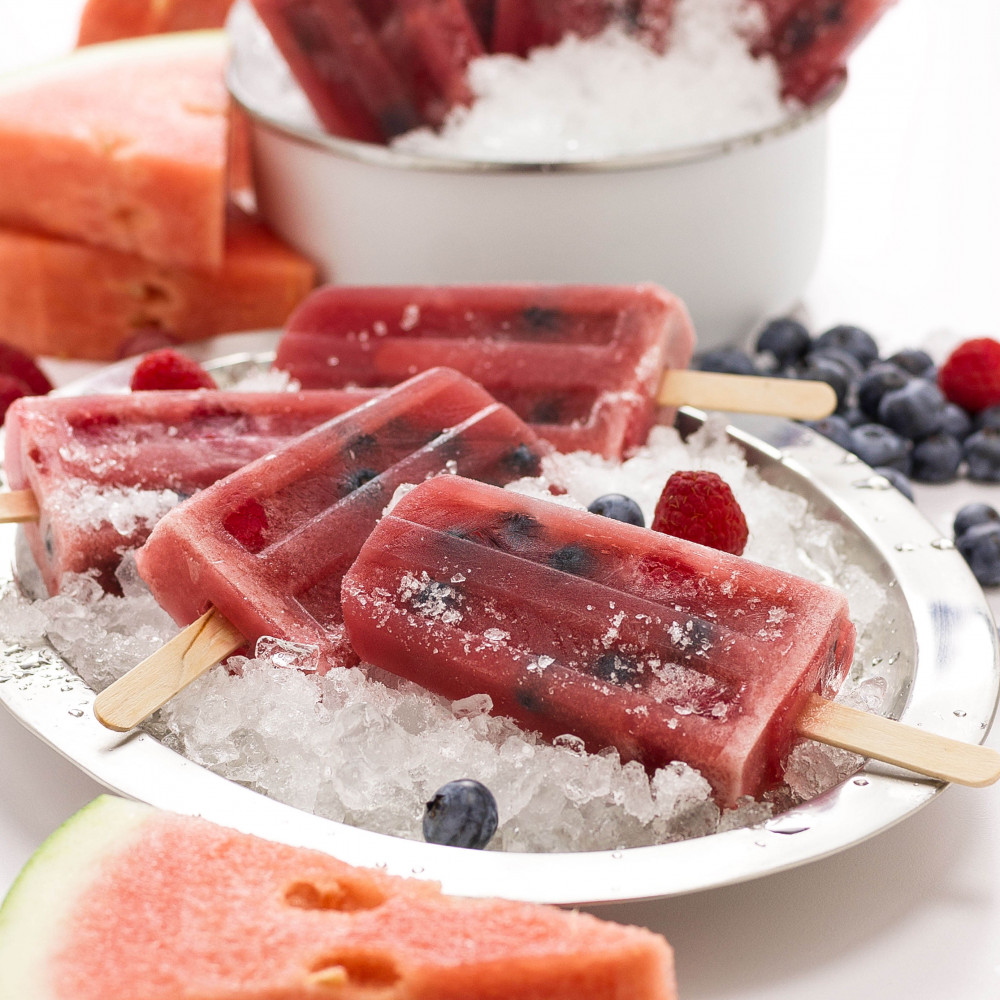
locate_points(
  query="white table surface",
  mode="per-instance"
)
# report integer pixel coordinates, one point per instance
(912, 253)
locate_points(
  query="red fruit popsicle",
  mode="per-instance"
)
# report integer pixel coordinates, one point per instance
(92, 472)
(575, 623)
(267, 546)
(582, 364)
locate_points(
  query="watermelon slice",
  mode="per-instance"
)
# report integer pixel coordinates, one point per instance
(128, 902)
(122, 145)
(111, 20)
(69, 299)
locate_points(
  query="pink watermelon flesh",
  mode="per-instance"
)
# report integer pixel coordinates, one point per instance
(176, 908)
(122, 145)
(662, 648)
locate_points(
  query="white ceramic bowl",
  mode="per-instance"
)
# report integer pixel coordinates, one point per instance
(733, 227)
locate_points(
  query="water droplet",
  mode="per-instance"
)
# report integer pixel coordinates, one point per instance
(958, 713)
(904, 547)
(786, 826)
(861, 781)
(759, 843)
(942, 543)
(876, 660)
(617, 855)
(77, 713)
(872, 483)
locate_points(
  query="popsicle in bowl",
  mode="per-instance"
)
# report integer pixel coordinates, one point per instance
(590, 367)
(90, 475)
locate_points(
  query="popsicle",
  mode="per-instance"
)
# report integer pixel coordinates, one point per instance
(627, 638)
(372, 70)
(91, 474)
(584, 364)
(267, 546)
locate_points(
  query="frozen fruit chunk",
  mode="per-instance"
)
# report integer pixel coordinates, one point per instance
(576, 623)
(582, 364)
(269, 545)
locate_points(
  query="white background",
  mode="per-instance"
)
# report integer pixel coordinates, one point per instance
(912, 253)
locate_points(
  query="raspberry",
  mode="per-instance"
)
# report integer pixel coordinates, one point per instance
(15, 363)
(169, 369)
(700, 507)
(970, 376)
(10, 389)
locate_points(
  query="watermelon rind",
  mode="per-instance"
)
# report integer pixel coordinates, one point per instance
(108, 54)
(41, 899)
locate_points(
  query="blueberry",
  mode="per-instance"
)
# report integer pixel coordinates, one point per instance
(853, 415)
(356, 479)
(935, 459)
(462, 813)
(982, 455)
(822, 368)
(540, 318)
(980, 546)
(834, 427)
(901, 482)
(573, 559)
(845, 359)
(876, 382)
(619, 508)
(913, 360)
(957, 422)
(972, 514)
(522, 461)
(729, 360)
(990, 417)
(915, 411)
(615, 668)
(787, 339)
(877, 445)
(852, 339)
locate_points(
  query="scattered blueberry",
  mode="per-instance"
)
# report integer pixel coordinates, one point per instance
(875, 383)
(980, 546)
(852, 339)
(990, 417)
(914, 361)
(972, 514)
(901, 482)
(877, 445)
(845, 359)
(522, 461)
(787, 339)
(834, 427)
(619, 508)
(956, 422)
(462, 813)
(935, 459)
(982, 455)
(915, 411)
(821, 368)
(729, 360)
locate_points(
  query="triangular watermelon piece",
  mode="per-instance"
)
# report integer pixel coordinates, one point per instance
(128, 902)
(122, 145)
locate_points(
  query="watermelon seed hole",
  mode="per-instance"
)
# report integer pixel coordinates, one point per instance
(344, 895)
(361, 969)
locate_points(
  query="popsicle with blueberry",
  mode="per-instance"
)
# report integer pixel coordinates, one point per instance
(373, 69)
(628, 638)
(263, 551)
(590, 367)
(90, 475)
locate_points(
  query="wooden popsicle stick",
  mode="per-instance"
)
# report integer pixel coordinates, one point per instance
(18, 506)
(895, 743)
(152, 683)
(798, 399)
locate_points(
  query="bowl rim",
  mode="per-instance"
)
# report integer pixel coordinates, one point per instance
(374, 154)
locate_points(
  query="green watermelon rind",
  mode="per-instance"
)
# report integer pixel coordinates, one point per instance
(43, 894)
(96, 58)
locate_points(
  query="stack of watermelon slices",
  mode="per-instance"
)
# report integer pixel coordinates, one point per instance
(116, 216)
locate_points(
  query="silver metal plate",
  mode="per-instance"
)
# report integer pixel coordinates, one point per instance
(946, 679)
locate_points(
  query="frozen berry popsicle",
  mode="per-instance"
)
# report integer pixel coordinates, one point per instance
(582, 364)
(267, 547)
(372, 70)
(574, 623)
(96, 472)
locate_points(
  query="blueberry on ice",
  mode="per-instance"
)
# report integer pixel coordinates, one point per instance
(462, 813)
(787, 339)
(618, 507)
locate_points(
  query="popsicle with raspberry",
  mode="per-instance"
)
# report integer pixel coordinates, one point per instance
(590, 367)
(628, 638)
(90, 475)
(264, 550)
